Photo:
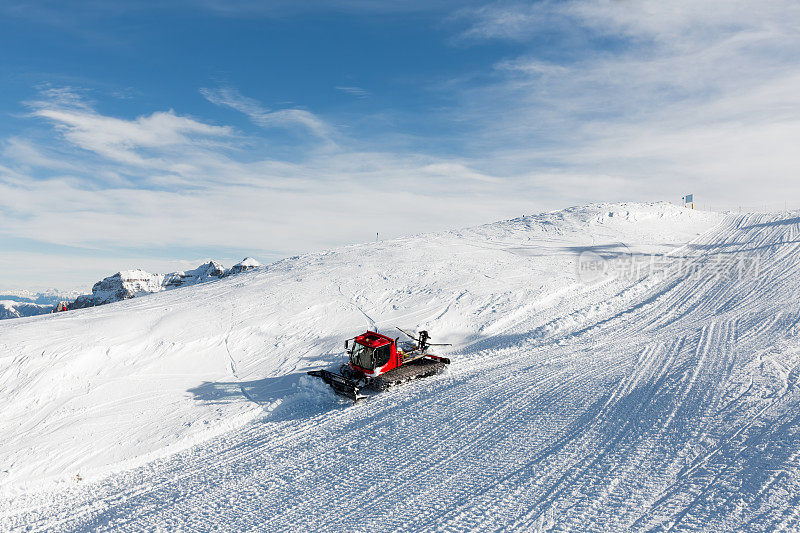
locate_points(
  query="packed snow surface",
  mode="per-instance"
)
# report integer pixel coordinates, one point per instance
(615, 367)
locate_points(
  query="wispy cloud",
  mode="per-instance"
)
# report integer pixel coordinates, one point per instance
(665, 95)
(509, 21)
(125, 141)
(25, 152)
(352, 90)
(281, 118)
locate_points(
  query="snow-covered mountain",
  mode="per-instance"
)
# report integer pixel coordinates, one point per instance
(131, 283)
(123, 285)
(46, 297)
(22, 303)
(248, 263)
(615, 367)
(17, 309)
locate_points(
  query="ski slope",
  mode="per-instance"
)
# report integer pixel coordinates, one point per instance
(664, 399)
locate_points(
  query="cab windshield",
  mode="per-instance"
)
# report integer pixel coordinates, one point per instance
(362, 356)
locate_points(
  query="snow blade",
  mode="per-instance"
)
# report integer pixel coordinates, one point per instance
(340, 384)
(445, 360)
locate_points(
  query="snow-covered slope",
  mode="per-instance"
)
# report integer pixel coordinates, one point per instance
(659, 393)
(128, 284)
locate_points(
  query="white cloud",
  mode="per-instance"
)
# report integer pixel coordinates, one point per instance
(683, 24)
(678, 24)
(508, 21)
(121, 140)
(26, 152)
(667, 96)
(297, 208)
(358, 92)
(282, 118)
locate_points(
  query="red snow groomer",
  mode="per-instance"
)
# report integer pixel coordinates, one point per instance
(377, 362)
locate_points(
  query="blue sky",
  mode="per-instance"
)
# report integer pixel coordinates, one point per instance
(159, 134)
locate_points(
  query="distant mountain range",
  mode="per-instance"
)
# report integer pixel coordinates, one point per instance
(123, 285)
(15, 309)
(22, 303)
(46, 297)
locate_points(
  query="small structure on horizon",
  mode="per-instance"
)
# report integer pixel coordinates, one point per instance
(688, 199)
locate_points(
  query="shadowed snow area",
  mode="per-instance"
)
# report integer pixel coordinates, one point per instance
(657, 392)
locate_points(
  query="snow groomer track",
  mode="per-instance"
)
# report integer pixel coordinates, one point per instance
(659, 395)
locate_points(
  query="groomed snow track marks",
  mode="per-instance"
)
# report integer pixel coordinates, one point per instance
(672, 406)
